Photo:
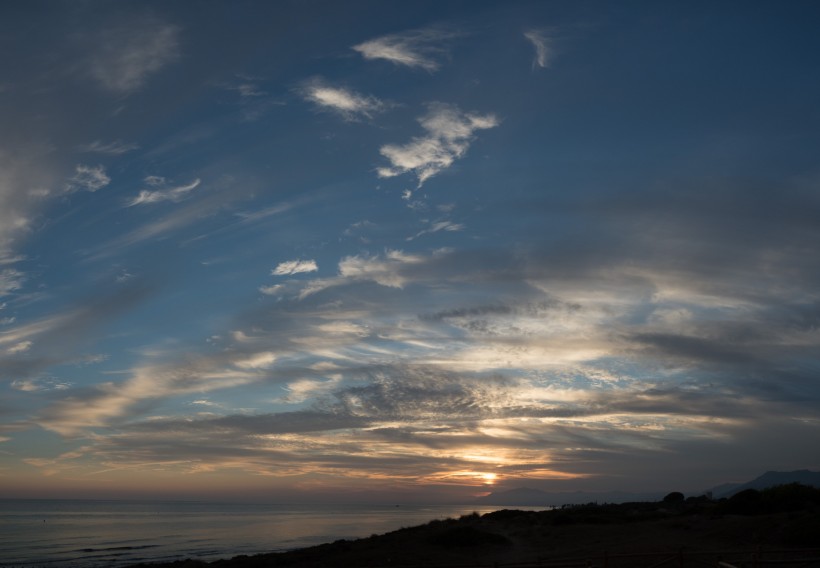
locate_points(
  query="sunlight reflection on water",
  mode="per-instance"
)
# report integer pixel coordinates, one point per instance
(93, 533)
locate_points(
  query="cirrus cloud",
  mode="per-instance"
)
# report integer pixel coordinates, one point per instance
(115, 148)
(290, 267)
(415, 48)
(173, 194)
(126, 54)
(347, 103)
(542, 43)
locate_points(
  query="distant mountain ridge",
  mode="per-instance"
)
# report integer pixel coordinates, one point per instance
(526, 496)
(769, 479)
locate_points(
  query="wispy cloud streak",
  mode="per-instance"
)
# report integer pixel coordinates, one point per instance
(174, 194)
(125, 55)
(348, 104)
(115, 148)
(437, 226)
(416, 48)
(109, 402)
(542, 43)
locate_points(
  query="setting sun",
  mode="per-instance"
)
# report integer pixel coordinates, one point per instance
(463, 478)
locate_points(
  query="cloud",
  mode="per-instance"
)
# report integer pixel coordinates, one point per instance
(115, 148)
(39, 385)
(173, 194)
(260, 214)
(416, 48)
(418, 393)
(411, 423)
(224, 191)
(346, 103)
(204, 402)
(21, 347)
(88, 178)
(254, 102)
(25, 172)
(449, 133)
(302, 421)
(358, 227)
(108, 403)
(303, 390)
(273, 290)
(386, 271)
(391, 270)
(249, 90)
(542, 43)
(34, 346)
(437, 226)
(548, 363)
(290, 267)
(261, 360)
(10, 280)
(126, 54)
(676, 325)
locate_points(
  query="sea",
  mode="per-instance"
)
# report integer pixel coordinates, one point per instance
(95, 534)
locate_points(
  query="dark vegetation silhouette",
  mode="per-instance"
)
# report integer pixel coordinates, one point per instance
(674, 498)
(778, 499)
(778, 517)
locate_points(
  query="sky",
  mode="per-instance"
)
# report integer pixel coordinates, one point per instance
(316, 250)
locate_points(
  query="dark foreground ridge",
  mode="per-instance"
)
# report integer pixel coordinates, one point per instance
(750, 524)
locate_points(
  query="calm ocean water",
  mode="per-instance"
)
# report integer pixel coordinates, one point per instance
(91, 534)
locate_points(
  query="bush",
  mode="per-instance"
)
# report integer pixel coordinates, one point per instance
(507, 515)
(777, 499)
(791, 497)
(746, 502)
(673, 498)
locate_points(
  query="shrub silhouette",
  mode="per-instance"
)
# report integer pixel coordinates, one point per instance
(673, 498)
(746, 502)
(777, 499)
(791, 497)
(508, 514)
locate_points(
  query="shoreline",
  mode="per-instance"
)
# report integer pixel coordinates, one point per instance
(613, 535)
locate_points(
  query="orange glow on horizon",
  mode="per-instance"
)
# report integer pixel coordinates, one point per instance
(463, 477)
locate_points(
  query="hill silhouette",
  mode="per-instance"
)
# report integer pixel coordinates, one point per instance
(783, 518)
(770, 479)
